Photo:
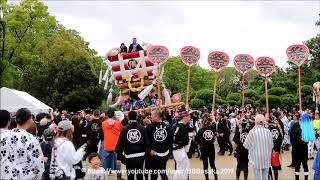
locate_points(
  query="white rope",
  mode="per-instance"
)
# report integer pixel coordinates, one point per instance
(106, 85)
(105, 77)
(100, 77)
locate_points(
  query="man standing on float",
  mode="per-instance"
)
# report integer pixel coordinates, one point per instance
(135, 47)
(180, 141)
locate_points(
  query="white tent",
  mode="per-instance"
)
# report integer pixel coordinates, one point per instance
(12, 100)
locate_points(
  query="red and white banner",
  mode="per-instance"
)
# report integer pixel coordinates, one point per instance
(158, 54)
(243, 63)
(298, 53)
(265, 66)
(189, 55)
(218, 60)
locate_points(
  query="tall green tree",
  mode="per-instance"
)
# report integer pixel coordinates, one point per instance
(27, 24)
(66, 84)
(47, 60)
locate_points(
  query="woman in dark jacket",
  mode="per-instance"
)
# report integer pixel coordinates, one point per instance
(205, 140)
(79, 138)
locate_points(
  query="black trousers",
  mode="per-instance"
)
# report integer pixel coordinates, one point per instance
(275, 172)
(220, 144)
(134, 167)
(301, 157)
(228, 143)
(292, 156)
(242, 166)
(192, 149)
(224, 143)
(208, 155)
(157, 165)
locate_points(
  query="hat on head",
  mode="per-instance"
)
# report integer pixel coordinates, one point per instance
(65, 125)
(232, 115)
(259, 119)
(48, 134)
(119, 115)
(183, 114)
(43, 122)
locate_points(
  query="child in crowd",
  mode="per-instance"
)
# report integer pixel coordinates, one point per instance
(95, 171)
(46, 147)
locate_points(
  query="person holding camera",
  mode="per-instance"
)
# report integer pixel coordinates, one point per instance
(64, 155)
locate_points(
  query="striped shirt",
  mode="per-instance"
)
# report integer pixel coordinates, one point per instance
(259, 143)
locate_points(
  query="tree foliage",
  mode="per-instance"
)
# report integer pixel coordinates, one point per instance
(47, 60)
(282, 85)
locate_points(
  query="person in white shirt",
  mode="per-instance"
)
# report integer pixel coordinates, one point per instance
(64, 155)
(285, 121)
(21, 155)
(234, 123)
(259, 143)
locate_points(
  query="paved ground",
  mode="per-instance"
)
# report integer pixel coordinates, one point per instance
(226, 166)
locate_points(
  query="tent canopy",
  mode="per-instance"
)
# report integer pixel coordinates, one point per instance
(12, 100)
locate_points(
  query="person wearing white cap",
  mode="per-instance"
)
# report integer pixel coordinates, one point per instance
(64, 155)
(259, 143)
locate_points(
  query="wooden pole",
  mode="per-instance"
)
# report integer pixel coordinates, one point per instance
(162, 107)
(266, 91)
(159, 88)
(188, 89)
(214, 92)
(243, 91)
(299, 88)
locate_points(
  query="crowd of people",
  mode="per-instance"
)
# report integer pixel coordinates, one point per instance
(61, 146)
(133, 102)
